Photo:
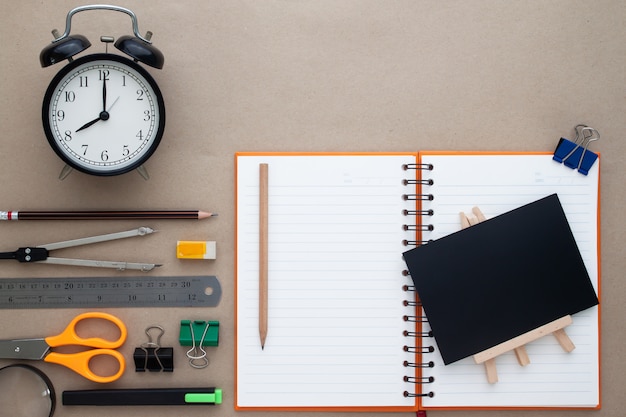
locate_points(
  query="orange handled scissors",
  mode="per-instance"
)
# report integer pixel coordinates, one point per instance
(40, 349)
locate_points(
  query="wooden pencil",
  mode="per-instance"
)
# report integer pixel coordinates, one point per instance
(263, 252)
(105, 215)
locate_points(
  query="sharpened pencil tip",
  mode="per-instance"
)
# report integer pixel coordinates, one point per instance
(204, 215)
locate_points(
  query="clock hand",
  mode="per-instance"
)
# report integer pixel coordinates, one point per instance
(104, 115)
(109, 109)
(104, 94)
(86, 125)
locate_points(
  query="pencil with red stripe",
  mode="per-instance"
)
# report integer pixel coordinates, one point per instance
(106, 215)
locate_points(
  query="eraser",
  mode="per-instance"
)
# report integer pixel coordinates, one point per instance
(195, 249)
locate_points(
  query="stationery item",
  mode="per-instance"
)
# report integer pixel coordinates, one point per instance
(347, 333)
(25, 391)
(144, 396)
(107, 292)
(41, 348)
(263, 251)
(151, 356)
(527, 256)
(193, 249)
(198, 333)
(501, 183)
(107, 215)
(575, 154)
(40, 253)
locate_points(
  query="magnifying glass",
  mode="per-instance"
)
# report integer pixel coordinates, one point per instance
(26, 391)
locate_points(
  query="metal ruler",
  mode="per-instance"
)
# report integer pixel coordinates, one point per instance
(95, 292)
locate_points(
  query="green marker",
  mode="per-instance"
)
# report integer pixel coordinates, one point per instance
(144, 396)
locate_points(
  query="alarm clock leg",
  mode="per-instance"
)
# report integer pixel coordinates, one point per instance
(67, 170)
(141, 169)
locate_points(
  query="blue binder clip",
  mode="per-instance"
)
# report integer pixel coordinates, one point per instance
(576, 154)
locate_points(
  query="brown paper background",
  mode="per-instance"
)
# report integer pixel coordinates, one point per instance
(306, 76)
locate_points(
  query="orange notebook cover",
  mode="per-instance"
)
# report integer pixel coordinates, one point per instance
(345, 331)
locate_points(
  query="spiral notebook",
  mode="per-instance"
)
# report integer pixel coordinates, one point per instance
(345, 330)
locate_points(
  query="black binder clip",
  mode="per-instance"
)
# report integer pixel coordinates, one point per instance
(576, 154)
(152, 356)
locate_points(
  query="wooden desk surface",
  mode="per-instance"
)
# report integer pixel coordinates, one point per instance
(308, 76)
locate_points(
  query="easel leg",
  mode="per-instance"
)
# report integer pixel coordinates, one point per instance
(564, 340)
(522, 356)
(492, 372)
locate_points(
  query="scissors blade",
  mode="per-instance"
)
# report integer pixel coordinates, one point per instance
(32, 349)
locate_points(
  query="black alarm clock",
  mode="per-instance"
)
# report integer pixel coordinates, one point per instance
(103, 114)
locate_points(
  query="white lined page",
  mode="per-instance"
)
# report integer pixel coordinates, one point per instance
(336, 308)
(497, 184)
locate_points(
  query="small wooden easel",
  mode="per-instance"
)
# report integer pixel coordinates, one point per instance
(488, 356)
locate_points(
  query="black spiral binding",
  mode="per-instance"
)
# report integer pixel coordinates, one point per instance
(420, 337)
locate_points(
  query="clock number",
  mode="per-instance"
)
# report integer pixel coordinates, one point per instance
(146, 115)
(60, 115)
(125, 151)
(123, 81)
(139, 95)
(70, 96)
(103, 75)
(83, 81)
(68, 135)
(104, 156)
(139, 135)
(85, 149)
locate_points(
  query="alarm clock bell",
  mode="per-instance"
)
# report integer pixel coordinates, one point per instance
(65, 46)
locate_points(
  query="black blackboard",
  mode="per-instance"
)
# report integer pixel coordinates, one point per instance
(501, 278)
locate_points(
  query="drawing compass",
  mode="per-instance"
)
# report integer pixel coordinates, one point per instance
(40, 253)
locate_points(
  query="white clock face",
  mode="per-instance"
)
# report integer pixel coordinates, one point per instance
(103, 114)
